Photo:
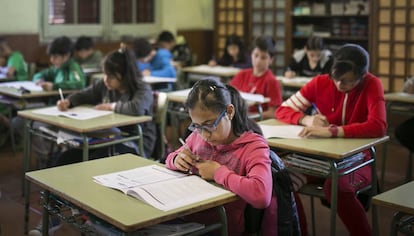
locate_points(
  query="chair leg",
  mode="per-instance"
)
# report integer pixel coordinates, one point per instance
(313, 215)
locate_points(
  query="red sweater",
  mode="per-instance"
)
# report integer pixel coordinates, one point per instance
(362, 117)
(267, 85)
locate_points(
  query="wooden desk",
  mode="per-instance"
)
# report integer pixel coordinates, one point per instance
(332, 150)
(399, 199)
(396, 103)
(124, 212)
(224, 72)
(296, 82)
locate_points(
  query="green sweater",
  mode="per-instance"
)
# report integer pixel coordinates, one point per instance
(16, 61)
(68, 76)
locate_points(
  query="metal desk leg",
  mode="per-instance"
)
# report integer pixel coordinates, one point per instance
(384, 152)
(26, 153)
(26, 208)
(223, 220)
(45, 214)
(374, 191)
(85, 148)
(334, 197)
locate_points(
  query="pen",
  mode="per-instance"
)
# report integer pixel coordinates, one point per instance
(316, 108)
(61, 94)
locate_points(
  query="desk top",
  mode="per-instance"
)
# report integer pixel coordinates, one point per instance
(15, 93)
(84, 126)
(124, 212)
(222, 71)
(399, 97)
(251, 99)
(296, 82)
(399, 199)
(332, 148)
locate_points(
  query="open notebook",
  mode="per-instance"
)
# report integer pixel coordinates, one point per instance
(281, 131)
(160, 187)
(78, 113)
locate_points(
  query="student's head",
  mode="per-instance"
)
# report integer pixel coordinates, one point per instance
(313, 48)
(234, 46)
(84, 47)
(218, 112)
(143, 50)
(5, 49)
(60, 51)
(263, 50)
(350, 64)
(166, 40)
(120, 71)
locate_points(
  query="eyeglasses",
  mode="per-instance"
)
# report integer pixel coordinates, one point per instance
(208, 127)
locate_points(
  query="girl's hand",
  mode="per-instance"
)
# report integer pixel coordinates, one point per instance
(47, 86)
(317, 120)
(185, 160)
(290, 74)
(104, 106)
(146, 72)
(63, 105)
(322, 132)
(206, 169)
(212, 63)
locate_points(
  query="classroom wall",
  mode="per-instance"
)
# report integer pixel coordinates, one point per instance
(22, 16)
(19, 16)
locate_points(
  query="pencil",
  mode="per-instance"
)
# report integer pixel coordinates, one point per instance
(61, 94)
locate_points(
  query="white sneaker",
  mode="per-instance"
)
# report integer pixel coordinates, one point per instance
(53, 226)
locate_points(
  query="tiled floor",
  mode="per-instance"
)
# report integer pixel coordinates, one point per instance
(12, 202)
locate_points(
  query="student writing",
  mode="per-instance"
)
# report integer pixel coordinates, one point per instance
(351, 104)
(227, 147)
(64, 73)
(310, 61)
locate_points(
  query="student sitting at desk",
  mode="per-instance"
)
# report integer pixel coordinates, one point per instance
(227, 147)
(154, 62)
(65, 73)
(312, 60)
(85, 55)
(121, 90)
(15, 63)
(348, 102)
(234, 54)
(260, 79)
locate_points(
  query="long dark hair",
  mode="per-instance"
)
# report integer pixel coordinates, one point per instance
(212, 95)
(350, 57)
(227, 59)
(122, 62)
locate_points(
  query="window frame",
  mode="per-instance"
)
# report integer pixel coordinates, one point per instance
(105, 29)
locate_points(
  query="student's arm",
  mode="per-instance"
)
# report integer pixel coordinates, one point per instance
(17, 66)
(140, 104)
(75, 78)
(255, 187)
(164, 66)
(44, 75)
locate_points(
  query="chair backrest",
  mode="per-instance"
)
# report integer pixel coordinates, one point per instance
(160, 116)
(287, 215)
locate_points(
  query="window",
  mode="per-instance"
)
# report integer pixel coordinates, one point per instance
(109, 19)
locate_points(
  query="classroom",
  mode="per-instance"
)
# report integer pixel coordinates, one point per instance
(66, 59)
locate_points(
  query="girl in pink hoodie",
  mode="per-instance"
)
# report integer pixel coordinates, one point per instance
(226, 147)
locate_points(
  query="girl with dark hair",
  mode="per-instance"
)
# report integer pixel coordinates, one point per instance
(234, 54)
(312, 60)
(122, 90)
(350, 104)
(226, 146)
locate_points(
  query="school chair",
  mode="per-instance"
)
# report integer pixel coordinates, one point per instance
(287, 219)
(403, 223)
(364, 195)
(160, 115)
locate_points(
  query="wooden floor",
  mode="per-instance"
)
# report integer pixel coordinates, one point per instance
(12, 207)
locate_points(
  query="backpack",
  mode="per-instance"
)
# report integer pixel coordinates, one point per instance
(288, 220)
